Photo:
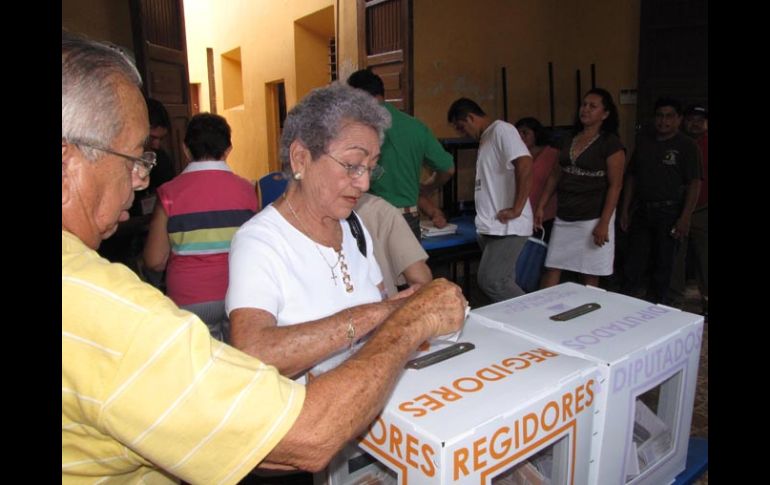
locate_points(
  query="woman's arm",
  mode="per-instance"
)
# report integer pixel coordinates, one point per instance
(550, 187)
(615, 166)
(293, 349)
(157, 247)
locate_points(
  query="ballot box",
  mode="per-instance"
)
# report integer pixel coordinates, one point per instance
(501, 410)
(648, 356)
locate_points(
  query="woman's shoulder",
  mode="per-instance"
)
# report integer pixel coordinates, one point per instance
(268, 220)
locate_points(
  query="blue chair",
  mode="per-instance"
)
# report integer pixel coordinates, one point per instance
(270, 187)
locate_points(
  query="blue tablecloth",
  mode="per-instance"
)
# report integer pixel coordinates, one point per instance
(697, 461)
(466, 234)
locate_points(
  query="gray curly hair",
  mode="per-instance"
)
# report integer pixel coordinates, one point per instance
(318, 118)
(89, 73)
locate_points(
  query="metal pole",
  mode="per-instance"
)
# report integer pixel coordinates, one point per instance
(505, 96)
(550, 90)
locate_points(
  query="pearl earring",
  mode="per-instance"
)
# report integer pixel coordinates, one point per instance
(298, 176)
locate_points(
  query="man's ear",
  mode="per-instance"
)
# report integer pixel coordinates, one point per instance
(299, 156)
(68, 163)
(227, 152)
(187, 153)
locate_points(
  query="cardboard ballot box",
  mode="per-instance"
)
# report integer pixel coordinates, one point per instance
(648, 355)
(480, 416)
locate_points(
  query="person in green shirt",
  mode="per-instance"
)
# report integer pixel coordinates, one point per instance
(408, 145)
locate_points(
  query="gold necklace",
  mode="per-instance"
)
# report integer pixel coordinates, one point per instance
(340, 255)
(574, 154)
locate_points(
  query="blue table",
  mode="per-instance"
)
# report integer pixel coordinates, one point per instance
(697, 461)
(461, 247)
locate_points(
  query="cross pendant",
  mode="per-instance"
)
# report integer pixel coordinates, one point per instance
(334, 277)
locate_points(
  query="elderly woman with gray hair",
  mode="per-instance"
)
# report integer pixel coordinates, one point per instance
(304, 283)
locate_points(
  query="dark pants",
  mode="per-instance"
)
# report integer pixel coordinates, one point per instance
(650, 238)
(413, 219)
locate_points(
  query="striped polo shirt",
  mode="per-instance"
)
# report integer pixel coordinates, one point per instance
(205, 205)
(148, 395)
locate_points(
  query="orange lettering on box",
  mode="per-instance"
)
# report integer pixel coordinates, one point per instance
(543, 416)
(590, 391)
(411, 450)
(510, 362)
(479, 450)
(532, 357)
(579, 398)
(378, 424)
(429, 402)
(547, 353)
(460, 457)
(477, 385)
(530, 431)
(506, 444)
(490, 375)
(395, 441)
(566, 405)
(417, 412)
(428, 454)
(447, 394)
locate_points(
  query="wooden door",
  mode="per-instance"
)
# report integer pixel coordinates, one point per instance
(161, 56)
(673, 54)
(385, 46)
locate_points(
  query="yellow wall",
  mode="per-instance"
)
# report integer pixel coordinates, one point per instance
(311, 50)
(347, 41)
(460, 48)
(265, 32)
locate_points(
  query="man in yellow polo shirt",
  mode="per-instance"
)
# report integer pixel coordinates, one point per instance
(147, 394)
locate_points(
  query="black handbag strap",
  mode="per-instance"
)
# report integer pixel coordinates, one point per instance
(357, 231)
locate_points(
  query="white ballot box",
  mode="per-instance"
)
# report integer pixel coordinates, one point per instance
(648, 355)
(507, 410)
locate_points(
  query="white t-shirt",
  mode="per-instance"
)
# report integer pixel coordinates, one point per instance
(276, 268)
(500, 144)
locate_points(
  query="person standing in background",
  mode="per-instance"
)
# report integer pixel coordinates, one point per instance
(400, 255)
(194, 220)
(544, 157)
(663, 182)
(407, 146)
(587, 181)
(160, 125)
(503, 212)
(696, 244)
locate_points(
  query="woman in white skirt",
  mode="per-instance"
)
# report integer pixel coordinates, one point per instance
(587, 181)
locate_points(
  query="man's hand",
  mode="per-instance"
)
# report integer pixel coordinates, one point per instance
(681, 228)
(506, 215)
(438, 219)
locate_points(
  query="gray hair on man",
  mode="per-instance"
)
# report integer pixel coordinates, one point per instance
(89, 72)
(320, 116)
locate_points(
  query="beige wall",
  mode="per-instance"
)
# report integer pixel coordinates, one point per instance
(266, 33)
(99, 20)
(460, 48)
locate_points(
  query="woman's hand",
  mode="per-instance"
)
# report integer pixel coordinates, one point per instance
(601, 233)
(405, 293)
(538, 223)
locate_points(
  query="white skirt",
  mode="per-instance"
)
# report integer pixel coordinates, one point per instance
(572, 248)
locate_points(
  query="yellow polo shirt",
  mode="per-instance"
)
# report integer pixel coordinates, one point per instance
(148, 395)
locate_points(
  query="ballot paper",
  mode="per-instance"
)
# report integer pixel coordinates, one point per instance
(429, 230)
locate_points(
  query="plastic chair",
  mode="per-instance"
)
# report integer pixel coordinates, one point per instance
(270, 187)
